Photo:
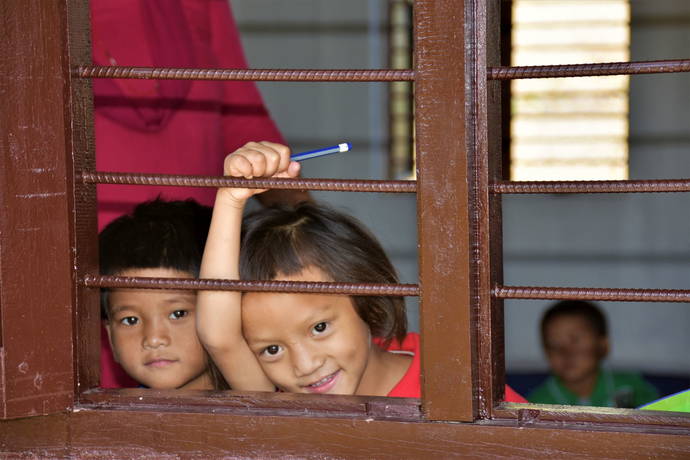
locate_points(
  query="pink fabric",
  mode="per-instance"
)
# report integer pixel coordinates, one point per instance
(168, 126)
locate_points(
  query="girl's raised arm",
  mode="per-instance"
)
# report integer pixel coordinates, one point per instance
(218, 314)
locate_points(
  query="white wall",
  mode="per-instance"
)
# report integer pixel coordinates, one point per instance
(600, 241)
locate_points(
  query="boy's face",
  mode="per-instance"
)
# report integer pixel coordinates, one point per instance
(573, 348)
(307, 343)
(153, 334)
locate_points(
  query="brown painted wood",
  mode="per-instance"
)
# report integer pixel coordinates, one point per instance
(47, 142)
(443, 138)
(138, 433)
(83, 201)
(252, 403)
(506, 52)
(486, 235)
(592, 416)
(35, 251)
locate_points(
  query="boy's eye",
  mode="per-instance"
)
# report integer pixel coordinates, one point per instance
(129, 320)
(177, 314)
(271, 350)
(320, 328)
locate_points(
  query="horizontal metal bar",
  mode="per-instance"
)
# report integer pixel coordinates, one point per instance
(340, 185)
(298, 75)
(612, 186)
(580, 293)
(358, 289)
(363, 75)
(588, 70)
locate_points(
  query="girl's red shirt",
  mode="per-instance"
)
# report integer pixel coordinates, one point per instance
(409, 386)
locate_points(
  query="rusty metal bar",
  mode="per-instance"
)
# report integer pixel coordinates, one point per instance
(614, 186)
(341, 185)
(580, 293)
(358, 75)
(359, 289)
(363, 75)
(588, 70)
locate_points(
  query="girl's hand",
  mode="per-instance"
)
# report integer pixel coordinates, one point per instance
(257, 159)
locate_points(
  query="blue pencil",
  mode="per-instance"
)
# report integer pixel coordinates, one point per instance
(344, 147)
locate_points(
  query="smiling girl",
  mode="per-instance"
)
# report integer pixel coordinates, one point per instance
(301, 342)
(319, 343)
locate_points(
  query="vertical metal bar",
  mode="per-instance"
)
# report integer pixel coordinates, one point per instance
(81, 157)
(443, 100)
(35, 249)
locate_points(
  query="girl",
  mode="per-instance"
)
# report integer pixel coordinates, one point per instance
(297, 342)
(321, 343)
(303, 343)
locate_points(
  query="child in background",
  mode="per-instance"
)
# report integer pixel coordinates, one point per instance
(575, 339)
(302, 343)
(152, 332)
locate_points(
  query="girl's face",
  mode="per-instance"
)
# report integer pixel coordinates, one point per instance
(308, 343)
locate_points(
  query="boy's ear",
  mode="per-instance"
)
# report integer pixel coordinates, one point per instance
(604, 347)
(107, 325)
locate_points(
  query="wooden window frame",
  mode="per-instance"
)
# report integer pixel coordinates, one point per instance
(49, 317)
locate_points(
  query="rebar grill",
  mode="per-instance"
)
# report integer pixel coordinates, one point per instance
(357, 289)
(615, 186)
(588, 70)
(386, 186)
(580, 293)
(308, 75)
(342, 185)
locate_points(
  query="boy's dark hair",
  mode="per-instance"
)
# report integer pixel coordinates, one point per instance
(286, 240)
(587, 310)
(157, 234)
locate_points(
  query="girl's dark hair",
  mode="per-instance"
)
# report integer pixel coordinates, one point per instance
(283, 240)
(216, 375)
(587, 310)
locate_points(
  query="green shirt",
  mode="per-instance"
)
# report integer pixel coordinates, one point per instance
(613, 389)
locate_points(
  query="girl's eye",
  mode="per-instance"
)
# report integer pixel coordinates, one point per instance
(177, 314)
(129, 320)
(320, 328)
(271, 350)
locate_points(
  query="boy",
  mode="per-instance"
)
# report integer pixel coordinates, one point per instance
(575, 339)
(152, 332)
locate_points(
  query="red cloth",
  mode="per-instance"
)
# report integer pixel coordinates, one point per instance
(167, 126)
(513, 396)
(409, 386)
